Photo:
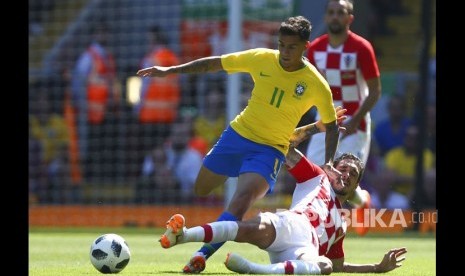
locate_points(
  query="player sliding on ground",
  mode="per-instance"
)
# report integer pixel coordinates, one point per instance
(306, 239)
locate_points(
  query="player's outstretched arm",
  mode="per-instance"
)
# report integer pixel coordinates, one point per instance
(391, 260)
(201, 65)
(304, 132)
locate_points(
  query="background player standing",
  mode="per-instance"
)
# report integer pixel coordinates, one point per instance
(348, 63)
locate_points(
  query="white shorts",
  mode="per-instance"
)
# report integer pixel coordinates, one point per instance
(294, 236)
(357, 143)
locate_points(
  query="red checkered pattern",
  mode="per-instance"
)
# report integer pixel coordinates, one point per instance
(346, 68)
(318, 201)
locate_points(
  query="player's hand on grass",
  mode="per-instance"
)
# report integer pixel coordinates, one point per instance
(392, 260)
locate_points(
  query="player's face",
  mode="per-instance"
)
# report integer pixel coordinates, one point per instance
(337, 17)
(291, 48)
(348, 181)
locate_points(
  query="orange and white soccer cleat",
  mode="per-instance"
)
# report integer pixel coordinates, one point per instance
(174, 229)
(196, 264)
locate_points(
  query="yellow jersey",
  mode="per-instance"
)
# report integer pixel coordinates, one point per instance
(279, 98)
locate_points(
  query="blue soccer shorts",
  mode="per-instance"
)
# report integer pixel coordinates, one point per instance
(233, 155)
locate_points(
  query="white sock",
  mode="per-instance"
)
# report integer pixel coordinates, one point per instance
(306, 267)
(288, 267)
(218, 231)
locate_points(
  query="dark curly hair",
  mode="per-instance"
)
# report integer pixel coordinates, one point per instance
(296, 25)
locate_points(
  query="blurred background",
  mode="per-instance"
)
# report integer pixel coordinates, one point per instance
(129, 152)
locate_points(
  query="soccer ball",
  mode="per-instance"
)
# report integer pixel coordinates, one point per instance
(109, 253)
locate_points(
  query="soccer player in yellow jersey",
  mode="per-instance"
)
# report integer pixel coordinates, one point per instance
(254, 145)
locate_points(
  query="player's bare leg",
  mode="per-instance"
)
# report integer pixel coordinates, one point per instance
(250, 188)
(207, 181)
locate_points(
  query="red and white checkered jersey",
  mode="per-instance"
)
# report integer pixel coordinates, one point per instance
(346, 68)
(315, 198)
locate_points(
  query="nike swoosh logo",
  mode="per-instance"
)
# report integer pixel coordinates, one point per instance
(264, 75)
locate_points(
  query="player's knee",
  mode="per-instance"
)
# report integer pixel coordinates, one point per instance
(358, 198)
(326, 266)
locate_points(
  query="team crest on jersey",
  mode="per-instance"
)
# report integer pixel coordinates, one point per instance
(300, 88)
(348, 60)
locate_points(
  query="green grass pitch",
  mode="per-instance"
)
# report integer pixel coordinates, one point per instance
(65, 251)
